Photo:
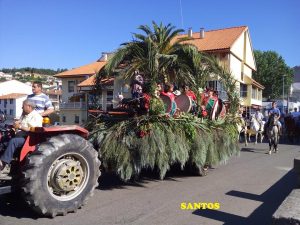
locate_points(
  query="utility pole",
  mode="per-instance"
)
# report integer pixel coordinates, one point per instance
(283, 93)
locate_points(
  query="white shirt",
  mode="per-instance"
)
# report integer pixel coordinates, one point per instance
(259, 116)
(33, 119)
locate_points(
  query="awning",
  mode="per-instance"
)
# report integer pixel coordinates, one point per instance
(250, 80)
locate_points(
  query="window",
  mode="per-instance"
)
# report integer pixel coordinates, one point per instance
(11, 112)
(218, 86)
(76, 119)
(258, 94)
(64, 119)
(11, 101)
(243, 90)
(0, 101)
(71, 86)
(254, 93)
(109, 100)
(5, 112)
(5, 101)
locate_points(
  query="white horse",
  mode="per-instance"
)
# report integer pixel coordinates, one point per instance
(256, 129)
(242, 129)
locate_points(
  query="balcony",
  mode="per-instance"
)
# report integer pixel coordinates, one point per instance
(73, 105)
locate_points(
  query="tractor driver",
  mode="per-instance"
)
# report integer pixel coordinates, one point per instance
(30, 118)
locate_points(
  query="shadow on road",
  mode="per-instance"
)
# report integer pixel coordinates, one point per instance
(110, 180)
(255, 150)
(11, 205)
(271, 199)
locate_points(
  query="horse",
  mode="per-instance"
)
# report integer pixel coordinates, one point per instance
(292, 125)
(255, 129)
(242, 129)
(273, 133)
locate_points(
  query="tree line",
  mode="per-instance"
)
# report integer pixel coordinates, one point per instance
(32, 70)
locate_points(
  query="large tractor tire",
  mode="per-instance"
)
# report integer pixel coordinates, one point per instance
(60, 175)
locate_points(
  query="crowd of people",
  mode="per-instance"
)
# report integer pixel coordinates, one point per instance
(263, 118)
(203, 102)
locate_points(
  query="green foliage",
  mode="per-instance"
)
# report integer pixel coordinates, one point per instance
(270, 70)
(32, 70)
(156, 141)
(159, 142)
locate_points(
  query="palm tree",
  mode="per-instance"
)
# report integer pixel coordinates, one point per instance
(158, 55)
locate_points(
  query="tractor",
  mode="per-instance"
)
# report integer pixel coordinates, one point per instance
(56, 170)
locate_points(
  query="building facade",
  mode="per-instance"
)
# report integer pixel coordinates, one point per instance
(233, 48)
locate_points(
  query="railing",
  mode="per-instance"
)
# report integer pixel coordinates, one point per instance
(73, 105)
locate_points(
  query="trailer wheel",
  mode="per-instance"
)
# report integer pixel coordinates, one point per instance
(60, 175)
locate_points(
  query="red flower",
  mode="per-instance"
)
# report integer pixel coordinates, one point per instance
(204, 113)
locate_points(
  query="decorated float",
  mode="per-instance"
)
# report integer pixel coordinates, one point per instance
(173, 117)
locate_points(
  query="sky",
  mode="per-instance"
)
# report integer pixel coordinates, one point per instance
(70, 33)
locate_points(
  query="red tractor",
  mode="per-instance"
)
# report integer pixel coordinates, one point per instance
(56, 170)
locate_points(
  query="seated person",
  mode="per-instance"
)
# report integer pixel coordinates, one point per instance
(30, 118)
(192, 96)
(168, 91)
(188, 92)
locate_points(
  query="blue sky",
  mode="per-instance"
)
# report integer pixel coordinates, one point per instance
(68, 33)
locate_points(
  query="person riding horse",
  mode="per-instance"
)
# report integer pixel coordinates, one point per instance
(274, 111)
(259, 117)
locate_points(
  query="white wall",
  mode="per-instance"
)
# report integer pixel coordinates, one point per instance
(66, 94)
(16, 106)
(14, 86)
(249, 53)
(235, 67)
(238, 47)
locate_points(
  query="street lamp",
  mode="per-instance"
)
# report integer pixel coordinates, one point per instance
(283, 93)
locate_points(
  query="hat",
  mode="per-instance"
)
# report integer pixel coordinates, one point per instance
(177, 92)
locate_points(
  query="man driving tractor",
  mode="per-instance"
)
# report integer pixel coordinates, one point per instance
(30, 118)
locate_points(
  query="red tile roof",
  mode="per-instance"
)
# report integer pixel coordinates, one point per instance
(12, 96)
(89, 69)
(91, 81)
(53, 92)
(215, 40)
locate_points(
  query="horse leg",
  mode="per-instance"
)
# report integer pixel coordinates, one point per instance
(270, 146)
(276, 140)
(256, 134)
(262, 136)
(245, 136)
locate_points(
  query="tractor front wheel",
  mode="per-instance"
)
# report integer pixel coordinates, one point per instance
(60, 175)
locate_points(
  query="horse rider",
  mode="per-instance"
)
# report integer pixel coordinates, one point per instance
(274, 111)
(259, 117)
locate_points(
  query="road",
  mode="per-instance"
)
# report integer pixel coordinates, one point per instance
(249, 188)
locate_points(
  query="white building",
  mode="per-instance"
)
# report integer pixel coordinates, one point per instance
(12, 95)
(11, 104)
(14, 86)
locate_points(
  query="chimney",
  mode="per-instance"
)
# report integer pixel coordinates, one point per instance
(104, 56)
(202, 33)
(190, 33)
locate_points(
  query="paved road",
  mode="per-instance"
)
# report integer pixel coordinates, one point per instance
(249, 189)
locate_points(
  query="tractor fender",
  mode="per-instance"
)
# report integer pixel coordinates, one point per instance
(38, 135)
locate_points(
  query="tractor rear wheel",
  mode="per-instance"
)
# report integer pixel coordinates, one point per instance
(60, 175)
